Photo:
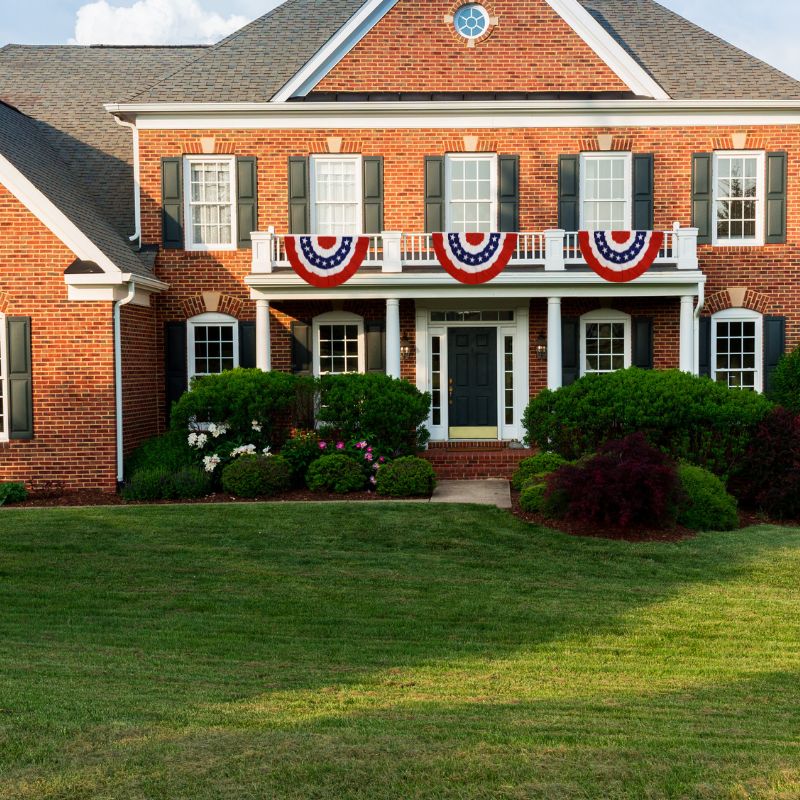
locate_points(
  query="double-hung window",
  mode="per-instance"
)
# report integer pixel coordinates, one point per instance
(471, 186)
(606, 192)
(213, 344)
(736, 349)
(210, 191)
(338, 344)
(739, 198)
(605, 342)
(3, 382)
(336, 195)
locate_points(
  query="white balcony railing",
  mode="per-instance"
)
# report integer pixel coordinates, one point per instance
(552, 250)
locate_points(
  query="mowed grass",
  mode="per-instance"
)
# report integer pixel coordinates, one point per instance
(393, 651)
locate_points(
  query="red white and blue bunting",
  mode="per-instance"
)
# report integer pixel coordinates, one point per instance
(474, 258)
(326, 261)
(620, 256)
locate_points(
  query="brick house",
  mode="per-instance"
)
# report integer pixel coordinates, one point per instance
(146, 197)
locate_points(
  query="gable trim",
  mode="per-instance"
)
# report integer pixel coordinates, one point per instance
(621, 63)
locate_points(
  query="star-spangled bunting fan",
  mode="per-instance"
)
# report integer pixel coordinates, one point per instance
(620, 256)
(326, 261)
(474, 258)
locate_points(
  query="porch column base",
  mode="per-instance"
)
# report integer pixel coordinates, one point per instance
(393, 337)
(687, 335)
(554, 363)
(263, 343)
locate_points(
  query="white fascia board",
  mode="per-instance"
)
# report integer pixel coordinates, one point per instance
(346, 38)
(624, 66)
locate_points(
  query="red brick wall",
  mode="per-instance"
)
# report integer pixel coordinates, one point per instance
(72, 353)
(412, 49)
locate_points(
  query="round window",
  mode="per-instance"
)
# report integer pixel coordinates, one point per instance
(472, 20)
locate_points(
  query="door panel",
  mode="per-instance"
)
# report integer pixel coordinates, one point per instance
(473, 382)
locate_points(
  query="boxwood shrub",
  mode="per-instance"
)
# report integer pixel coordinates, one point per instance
(705, 504)
(406, 477)
(339, 474)
(689, 418)
(540, 464)
(532, 498)
(149, 483)
(786, 382)
(257, 476)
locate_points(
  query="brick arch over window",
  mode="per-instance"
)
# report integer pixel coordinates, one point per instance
(212, 302)
(737, 297)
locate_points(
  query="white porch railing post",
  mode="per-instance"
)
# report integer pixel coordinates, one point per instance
(687, 334)
(554, 250)
(392, 251)
(554, 361)
(393, 337)
(262, 250)
(686, 248)
(263, 338)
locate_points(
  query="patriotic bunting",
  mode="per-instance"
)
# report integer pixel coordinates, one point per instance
(326, 261)
(474, 258)
(620, 256)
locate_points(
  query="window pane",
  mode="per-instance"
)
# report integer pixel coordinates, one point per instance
(604, 344)
(213, 349)
(469, 195)
(338, 349)
(211, 202)
(735, 362)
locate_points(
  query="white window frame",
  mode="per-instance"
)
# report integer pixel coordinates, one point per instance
(610, 316)
(358, 164)
(740, 315)
(761, 178)
(4, 433)
(338, 318)
(627, 159)
(199, 247)
(202, 320)
(449, 160)
(486, 19)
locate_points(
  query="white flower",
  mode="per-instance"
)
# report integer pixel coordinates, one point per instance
(217, 430)
(244, 450)
(257, 426)
(267, 451)
(211, 462)
(192, 440)
(198, 440)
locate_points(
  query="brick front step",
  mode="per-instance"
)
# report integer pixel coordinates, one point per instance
(474, 460)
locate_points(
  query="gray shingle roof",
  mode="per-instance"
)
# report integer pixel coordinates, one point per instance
(30, 150)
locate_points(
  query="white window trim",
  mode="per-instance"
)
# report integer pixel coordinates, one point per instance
(486, 19)
(191, 245)
(600, 316)
(357, 161)
(761, 178)
(338, 318)
(208, 319)
(448, 176)
(628, 199)
(4, 434)
(740, 315)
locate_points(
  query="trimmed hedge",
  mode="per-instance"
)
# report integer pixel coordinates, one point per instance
(786, 382)
(706, 504)
(406, 477)
(542, 463)
(335, 473)
(11, 493)
(689, 418)
(257, 476)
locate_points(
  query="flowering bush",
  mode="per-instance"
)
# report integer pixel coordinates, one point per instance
(336, 473)
(257, 476)
(300, 450)
(361, 451)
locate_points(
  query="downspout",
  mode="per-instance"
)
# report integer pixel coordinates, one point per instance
(137, 196)
(701, 302)
(118, 375)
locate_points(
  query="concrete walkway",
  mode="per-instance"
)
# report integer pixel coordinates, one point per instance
(484, 493)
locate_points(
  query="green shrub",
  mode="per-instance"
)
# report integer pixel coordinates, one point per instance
(257, 476)
(149, 483)
(536, 465)
(786, 382)
(689, 418)
(190, 483)
(336, 473)
(532, 498)
(300, 451)
(389, 413)
(406, 477)
(12, 493)
(706, 504)
(169, 451)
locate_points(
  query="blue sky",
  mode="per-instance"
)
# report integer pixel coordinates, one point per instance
(766, 29)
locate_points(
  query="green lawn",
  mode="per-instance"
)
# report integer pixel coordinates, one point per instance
(400, 651)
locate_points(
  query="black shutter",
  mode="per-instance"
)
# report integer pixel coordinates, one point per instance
(373, 194)
(569, 193)
(434, 194)
(643, 342)
(375, 332)
(508, 194)
(299, 199)
(643, 199)
(776, 198)
(702, 200)
(247, 345)
(20, 378)
(301, 349)
(247, 199)
(774, 348)
(175, 363)
(570, 351)
(172, 203)
(704, 341)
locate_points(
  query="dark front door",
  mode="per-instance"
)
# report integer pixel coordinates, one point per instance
(472, 368)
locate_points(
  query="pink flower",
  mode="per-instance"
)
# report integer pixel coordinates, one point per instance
(340, 445)
(373, 480)
(382, 460)
(369, 449)
(376, 467)
(361, 445)
(368, 456)
(323, 445)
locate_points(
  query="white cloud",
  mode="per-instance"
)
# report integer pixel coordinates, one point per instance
(152, 22)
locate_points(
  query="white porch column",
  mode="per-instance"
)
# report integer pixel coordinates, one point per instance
(554, 366)
(393, 337)
(263, 343)
(687, 334)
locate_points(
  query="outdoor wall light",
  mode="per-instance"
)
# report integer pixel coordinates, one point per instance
(406, 348)
(541, 346)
